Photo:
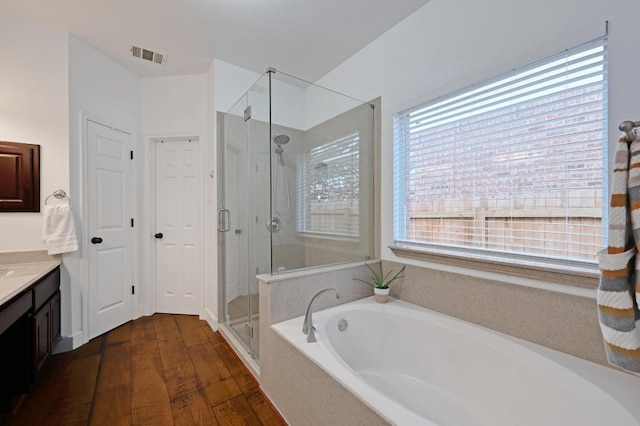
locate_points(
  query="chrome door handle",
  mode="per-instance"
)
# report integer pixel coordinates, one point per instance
(223, 220)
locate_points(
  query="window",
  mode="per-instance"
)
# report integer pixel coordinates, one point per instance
(515, 165)
(328, 189)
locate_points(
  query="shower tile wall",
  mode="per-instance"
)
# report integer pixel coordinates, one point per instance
(298, 387)
(292, 250)
(288, 249)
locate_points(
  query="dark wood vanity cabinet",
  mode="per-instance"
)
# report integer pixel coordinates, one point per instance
(29, 331)
(45, 323)
(15, 350)
(45, 320)
(41, 324)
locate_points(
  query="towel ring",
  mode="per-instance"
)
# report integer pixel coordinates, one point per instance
(59, 194)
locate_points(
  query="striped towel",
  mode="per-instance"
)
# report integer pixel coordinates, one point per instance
(619, 266)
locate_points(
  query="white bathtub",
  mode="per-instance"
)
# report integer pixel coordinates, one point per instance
(417, 367)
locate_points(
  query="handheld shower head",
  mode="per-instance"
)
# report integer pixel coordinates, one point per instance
(280, 167)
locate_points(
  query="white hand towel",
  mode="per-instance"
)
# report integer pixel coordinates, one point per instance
(59, 232)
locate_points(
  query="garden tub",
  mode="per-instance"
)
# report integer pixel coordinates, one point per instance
(414, 366)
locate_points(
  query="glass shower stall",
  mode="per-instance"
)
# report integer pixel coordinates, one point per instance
(295, 190)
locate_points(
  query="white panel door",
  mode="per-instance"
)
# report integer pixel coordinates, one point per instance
(178, 234)
(109, 225)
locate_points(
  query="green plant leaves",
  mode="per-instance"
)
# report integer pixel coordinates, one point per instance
(381, 280)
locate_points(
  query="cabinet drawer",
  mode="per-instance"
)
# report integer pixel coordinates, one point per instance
(46, 288)
(14, 311)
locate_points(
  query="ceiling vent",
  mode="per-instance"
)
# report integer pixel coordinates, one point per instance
(148, 55)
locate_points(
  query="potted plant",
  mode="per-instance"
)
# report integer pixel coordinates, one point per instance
(381, 282)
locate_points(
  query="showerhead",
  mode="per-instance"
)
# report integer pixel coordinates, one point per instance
(281, 140)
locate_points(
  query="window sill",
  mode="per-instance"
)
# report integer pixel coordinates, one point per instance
(582, 276)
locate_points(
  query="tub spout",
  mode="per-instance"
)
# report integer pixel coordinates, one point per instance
(307, 326)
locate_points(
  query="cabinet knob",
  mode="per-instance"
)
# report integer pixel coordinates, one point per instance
(159, 235)
(96, 240)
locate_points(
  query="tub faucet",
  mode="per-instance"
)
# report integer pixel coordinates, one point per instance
(307, 326)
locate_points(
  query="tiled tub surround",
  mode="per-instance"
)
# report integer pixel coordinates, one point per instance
(305, 394)
(19, 270)
(565, 322)
(302, 392)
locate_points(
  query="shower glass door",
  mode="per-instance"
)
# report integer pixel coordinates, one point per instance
(295, 190)
(243, 215)
(233, 220)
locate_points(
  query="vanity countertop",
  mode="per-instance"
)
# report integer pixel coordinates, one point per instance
(15, 277)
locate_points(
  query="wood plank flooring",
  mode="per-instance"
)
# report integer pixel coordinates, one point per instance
(157, 370)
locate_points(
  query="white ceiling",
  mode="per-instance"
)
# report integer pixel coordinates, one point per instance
(306, 38)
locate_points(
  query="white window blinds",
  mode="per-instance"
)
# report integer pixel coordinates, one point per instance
(513, 165)
(328, 188)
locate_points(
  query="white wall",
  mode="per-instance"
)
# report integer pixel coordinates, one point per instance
(174, 105)
(449, 44)
(34, 109)
(230, 83)
(322, 104)
(102, 90)
(287, 102)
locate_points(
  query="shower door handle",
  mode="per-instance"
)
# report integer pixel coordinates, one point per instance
(223, 220)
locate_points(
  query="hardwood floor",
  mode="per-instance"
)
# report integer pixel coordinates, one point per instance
(157, 370)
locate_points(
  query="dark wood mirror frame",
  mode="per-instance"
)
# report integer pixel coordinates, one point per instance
(19, 177)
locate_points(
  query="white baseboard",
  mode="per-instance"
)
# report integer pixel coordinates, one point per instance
(68, 343)
(208, 316)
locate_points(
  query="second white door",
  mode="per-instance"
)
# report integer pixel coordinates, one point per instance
(178, 234)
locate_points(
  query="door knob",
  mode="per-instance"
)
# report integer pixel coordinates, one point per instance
(159, 235)
(96, 240)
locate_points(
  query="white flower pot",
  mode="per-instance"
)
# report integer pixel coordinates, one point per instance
(381, 295)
